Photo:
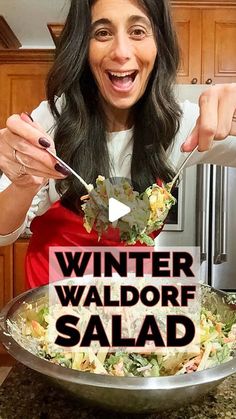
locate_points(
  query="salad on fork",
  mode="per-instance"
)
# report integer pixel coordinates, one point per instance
(148, 209)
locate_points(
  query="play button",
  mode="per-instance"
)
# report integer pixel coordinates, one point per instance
(114, 203)
(117, 210)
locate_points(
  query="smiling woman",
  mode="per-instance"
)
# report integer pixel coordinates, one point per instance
(122, 54)
(123, 83)
(111, 111)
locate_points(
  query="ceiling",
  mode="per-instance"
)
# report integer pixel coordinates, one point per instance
(28, 19)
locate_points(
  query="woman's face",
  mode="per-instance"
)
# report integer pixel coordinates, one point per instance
(122, 51)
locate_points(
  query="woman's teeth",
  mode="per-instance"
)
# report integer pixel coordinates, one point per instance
(122, 80)
(129, 73)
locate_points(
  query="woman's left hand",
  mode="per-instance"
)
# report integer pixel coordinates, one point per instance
(217, 117)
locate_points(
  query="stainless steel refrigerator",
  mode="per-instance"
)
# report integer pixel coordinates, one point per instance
(205, 215)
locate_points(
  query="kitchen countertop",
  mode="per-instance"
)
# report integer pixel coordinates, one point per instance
(26, 395)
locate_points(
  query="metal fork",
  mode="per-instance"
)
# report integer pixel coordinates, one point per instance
(182, 167)
(89, 187)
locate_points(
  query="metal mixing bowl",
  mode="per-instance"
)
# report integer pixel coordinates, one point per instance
(129, 394)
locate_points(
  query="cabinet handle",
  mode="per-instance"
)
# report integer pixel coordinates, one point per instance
(209, 81)
(194, 81)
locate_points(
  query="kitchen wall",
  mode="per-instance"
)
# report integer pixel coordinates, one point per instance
(27, 19)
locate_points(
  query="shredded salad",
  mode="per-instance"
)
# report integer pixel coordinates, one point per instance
(148, 210)
(217, 345)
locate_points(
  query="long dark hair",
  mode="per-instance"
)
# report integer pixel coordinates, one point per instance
(80, 136)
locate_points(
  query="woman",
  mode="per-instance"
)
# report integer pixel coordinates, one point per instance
(111, 111)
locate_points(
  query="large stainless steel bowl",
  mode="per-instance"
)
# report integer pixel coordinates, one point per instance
(128, 394)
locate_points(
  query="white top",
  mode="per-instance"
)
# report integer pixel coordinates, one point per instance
(120, 147)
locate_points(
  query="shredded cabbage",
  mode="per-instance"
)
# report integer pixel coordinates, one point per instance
(148, 210)
(218, 341)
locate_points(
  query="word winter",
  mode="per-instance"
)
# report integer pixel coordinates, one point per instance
(157, 264)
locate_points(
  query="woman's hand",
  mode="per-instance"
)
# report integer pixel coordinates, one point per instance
(217, 117)
(23, 156)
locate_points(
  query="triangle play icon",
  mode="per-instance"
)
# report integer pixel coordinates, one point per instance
(117, 210)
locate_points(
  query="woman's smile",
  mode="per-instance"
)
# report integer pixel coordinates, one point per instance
(122, 81)
(122, 52)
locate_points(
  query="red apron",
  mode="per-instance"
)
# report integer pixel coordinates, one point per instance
(60, 226)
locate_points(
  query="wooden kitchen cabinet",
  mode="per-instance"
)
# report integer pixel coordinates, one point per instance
(12, 280)
(207, 38)
(22, 80)
(6, 274)
(19, 252)
(12, 270)
(22, 88)
(188, 28)
(219, 45)
(6, 289)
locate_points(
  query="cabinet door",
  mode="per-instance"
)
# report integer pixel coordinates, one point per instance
(6, 275)
(12, 281)
(219, 46)
(188, 28)
(20, 248)
(6, 290)
(22, 87)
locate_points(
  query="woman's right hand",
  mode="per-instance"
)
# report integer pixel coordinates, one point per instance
(23, 156)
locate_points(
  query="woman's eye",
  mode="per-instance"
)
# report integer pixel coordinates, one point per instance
(102, 35)
(138, 33)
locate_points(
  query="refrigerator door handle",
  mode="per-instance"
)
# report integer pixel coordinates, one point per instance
(202, 210)
(220, 179)
(224, 227)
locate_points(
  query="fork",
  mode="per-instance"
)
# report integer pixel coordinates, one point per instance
(89, 187)
(182, 167)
